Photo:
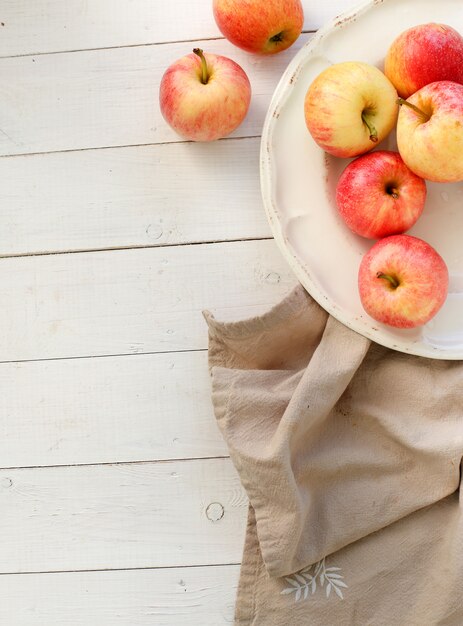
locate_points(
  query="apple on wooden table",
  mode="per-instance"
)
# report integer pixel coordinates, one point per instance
(350, 107)
(430, 132)
(424, 54)
(403, 281)
(204, 96)
(378, 195)
(260, 26)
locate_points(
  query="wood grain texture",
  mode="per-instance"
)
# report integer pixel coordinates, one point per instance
(54, 25)
(133, 301)
(121, 516)
(196, 596)
(134, 408)
(122, 197)
(107, 98)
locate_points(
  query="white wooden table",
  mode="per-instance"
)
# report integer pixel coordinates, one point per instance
(119, 505)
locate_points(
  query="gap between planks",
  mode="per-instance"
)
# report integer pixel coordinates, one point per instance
(134, 247)
(101, 356)
(117, 463)
(134, 45)
(116, 147)
(119, 569)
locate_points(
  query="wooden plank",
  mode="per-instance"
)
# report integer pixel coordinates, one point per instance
(123, 197)
(176, 513)
(197, 596)
(135, 408)
(132, 301)
(109, 98)
(54, 25)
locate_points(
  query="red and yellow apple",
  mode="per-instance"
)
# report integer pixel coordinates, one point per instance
(349, 108)
(204, 97)
(260, 26)
(378, 195)
(403, 281)
(424, 54)
(430, 132)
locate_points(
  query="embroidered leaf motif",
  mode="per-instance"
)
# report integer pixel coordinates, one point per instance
(305, 582)
(320, 566)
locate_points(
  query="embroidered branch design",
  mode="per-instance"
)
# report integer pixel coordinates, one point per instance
(307, 580)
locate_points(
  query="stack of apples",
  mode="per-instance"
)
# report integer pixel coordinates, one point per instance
(349, 109)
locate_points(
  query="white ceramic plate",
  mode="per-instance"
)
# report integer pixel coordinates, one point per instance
(298, 183)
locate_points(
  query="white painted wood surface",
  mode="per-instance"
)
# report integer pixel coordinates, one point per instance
(53, 25)
(133, 301)
(100, 199)
(165, 597)
(148, 407)
(114, 235)
(103, 98)
(121, 516)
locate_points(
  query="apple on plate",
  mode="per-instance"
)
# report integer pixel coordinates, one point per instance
(430, 132)
(378, 195)
(350, 107)
(403, 281)
(260, 26)
(424, 54)
(204, 96)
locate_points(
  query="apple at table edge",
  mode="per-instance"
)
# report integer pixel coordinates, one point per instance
(260, 26)
(204, 96)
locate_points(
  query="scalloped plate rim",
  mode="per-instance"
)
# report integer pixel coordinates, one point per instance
(280, 96)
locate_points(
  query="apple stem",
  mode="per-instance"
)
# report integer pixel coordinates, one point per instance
(392, 191)
(417, 110)
(204, 70)
(392, 279)
(371, 128)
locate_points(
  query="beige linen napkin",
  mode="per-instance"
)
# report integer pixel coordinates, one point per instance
(350, 455)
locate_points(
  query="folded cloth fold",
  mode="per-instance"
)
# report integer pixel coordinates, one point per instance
(340, 444)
